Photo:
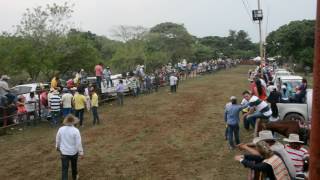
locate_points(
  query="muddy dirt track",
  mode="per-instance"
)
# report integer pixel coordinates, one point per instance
(158, 136)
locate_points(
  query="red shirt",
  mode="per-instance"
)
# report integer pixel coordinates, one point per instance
(99, 70)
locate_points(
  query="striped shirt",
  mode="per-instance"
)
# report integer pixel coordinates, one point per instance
(55, 102)
(260, 105)
(297, 156)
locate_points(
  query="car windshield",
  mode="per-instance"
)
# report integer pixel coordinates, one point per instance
(22, 90)
(292, 84)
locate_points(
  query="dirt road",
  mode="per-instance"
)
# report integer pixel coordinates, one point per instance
(159, 136)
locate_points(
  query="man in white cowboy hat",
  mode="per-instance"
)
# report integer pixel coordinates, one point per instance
(296, 151)
(4, 89)
(68, 143)
(275, 146)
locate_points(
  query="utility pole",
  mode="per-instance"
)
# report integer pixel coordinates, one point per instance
(260, 34)
(315, 123)
(257, 15)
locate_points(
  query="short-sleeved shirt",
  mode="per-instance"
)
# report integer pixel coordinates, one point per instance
(55, 102)
(173, 80)
(67, 100)
(99, 70)
(297, 156)
(4, 87)
(79, 101)
(260, 105)
(94, 100)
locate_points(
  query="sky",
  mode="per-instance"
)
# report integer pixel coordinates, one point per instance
(200, 17)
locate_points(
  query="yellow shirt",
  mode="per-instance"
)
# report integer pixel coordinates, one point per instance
(79, 101)
(94, 100)
(54, 83)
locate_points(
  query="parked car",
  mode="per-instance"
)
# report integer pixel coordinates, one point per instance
(297, 111)
(25, 89)
(278, 74)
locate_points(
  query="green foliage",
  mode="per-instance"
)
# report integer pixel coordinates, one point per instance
(294, 41)
(45, 43)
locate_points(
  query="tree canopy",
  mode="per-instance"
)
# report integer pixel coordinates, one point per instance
(46, 43)
(294, 42)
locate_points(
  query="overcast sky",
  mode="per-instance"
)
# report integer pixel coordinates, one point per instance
(201, 17)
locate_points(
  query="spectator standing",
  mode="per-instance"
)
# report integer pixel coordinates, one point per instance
(107, 76)
(31, 103)
(68, 143)
(173, 83)
(273, 99)
(4, 89)
(231, 117)
(94, 106)
(22, 112)
(79, 101)
(296, 152)
(54, 104)
(99, 73)
(120, 90)
(66, 100)
(44, 103)
(156, 82)
(133, 86)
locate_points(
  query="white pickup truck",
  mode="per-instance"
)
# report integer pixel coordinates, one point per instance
(297, 111)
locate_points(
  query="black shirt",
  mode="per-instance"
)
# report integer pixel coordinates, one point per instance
(256, 163)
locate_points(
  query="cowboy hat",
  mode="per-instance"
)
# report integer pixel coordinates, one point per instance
(264, 135)
(233, 98)
(293, 138)
(5, 77)
(70, 120)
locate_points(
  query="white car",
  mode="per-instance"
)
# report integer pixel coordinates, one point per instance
(115, 81)
(278, 74)
(25, 89)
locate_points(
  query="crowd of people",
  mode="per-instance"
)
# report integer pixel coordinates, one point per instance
(79, 93)
(266, 156)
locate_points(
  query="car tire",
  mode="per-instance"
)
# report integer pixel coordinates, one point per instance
(295, 117)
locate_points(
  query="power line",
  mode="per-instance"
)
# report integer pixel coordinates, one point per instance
(247, 9)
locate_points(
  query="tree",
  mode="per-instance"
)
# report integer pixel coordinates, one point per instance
(173, 39)
(43, 28)
(294, 41)
(127, 33)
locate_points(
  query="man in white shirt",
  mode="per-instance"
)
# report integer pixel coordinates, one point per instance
(4, 89)
(173, 83)
(68, 143)
(31, 104)
(66, 101)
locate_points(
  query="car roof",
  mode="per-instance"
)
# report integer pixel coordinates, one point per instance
(291, 77)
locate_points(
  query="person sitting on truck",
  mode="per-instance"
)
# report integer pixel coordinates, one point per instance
(258, 108)
(284, 93)
(300, 92)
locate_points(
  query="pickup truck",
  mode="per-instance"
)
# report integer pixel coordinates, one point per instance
(297, 111)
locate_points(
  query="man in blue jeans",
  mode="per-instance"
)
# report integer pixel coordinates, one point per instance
(231, 117)
(258, 108)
